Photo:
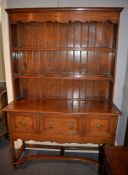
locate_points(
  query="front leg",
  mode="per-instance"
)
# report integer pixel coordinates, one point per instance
(13, 153)
(101, 158)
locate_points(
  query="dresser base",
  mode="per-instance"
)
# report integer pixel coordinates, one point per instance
(18, 159)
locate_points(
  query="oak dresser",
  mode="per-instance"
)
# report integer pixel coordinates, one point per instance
(63, 71)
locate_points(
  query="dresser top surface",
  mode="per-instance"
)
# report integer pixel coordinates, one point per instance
(63, 106)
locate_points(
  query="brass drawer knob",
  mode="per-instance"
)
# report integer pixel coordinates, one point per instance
(99, 126)
(70, 125)
(51, 125)
(22, 123)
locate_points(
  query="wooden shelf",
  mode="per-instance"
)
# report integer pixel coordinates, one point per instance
(66, 49)
(65, 76)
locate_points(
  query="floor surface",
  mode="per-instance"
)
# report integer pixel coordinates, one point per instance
(44, 167)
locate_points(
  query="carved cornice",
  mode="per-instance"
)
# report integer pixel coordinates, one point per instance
(64, 15)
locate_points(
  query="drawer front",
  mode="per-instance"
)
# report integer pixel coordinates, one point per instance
(61, 125)
(63, 128)
(100, 129)
(22, 122)
(98, 126)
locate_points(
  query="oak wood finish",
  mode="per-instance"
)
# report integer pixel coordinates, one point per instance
(63, 72)
(63, 15)
(115, 160)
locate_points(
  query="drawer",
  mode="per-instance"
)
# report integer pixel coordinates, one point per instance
(96, 125)
(99, 127)
(22, 122)
(61, 125)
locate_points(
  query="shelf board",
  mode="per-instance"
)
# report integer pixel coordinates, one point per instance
(65, 76)
(66, 49)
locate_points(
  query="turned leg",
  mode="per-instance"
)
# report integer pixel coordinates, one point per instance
(23, 144)
(13, 154)
(101, 159)
(62, 152)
